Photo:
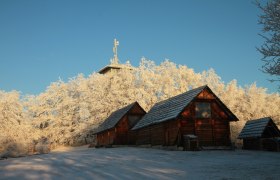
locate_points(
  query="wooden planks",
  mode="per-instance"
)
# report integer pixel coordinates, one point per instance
(169, 120)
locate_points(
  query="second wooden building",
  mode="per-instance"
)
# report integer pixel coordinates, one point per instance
(116, 129)
(198, 113)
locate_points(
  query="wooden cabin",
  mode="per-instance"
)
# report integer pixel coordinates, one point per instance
(115, 130)
(195, 113)
(260, 134)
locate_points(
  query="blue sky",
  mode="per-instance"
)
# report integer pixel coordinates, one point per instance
(41, 41)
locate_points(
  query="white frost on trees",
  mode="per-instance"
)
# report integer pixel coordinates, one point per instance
(67, 112)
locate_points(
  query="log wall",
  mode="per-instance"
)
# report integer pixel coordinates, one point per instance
(213, 131)
(106, 138)
(121, 134)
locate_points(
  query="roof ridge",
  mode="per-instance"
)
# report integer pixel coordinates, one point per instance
(111, 121)
(255, 127)
(186, 92)
(259, 119)
(171, 107)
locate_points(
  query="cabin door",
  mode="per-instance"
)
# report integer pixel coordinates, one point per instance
(122, 138)
(204, 131)
(221, 132)
(212, 132)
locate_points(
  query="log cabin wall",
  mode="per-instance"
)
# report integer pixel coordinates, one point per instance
(187, 120)
(133, 117)
(212, 129)
(150, 135)
(124, 136)
(122, 131)
(260, 134)
(143, 136)
(157, 134)
(268, 144)
(252, 144)
(118, 126)
(106, 137)
(172, 133)
(197, 112)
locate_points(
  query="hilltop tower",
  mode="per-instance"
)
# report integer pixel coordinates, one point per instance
(114, 65)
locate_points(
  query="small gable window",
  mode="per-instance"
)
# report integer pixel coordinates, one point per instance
(203, 110)
(133, 119)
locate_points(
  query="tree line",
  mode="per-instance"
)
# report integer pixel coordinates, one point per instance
(66, 113)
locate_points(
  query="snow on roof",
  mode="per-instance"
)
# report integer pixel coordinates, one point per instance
(114, 118)
(255, 128)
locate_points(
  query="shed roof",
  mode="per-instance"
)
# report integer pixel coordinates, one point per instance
(115, 117)
(172, 107)
(255, 128)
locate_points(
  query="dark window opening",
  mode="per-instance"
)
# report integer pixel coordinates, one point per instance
(133, 119)
(203, 110)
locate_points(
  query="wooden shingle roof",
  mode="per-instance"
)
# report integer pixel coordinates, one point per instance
(172, 107)
(114, 118)
(169, 109)
(255, 128)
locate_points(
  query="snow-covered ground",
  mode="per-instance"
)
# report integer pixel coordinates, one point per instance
(143, 163)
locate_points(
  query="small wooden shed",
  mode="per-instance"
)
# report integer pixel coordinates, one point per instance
(260, 134)
(198, 112)
(116, 129)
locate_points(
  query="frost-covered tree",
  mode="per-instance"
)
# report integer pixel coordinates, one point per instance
(270, 20)
(16, 135)
(67, 112)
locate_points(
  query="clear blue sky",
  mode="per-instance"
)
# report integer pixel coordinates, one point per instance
(41, 41)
